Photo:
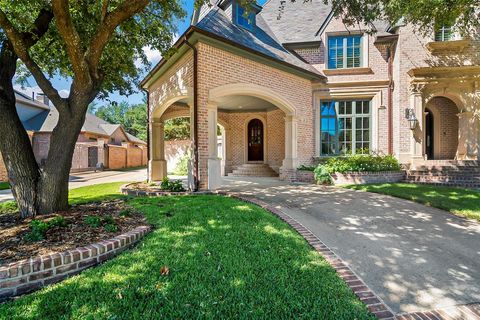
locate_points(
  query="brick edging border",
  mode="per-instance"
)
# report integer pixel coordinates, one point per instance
(32, 274)
(374, 304)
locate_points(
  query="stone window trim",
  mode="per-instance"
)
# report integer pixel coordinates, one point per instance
(364, 51)
(378, 101)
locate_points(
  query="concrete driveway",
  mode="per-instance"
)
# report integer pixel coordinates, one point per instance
(83, 179)
(413, 257)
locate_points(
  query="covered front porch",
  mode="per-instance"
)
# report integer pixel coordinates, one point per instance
(444, 114)
(244, 131)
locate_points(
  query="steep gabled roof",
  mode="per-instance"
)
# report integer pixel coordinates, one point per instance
(262, 40)
(294, 22)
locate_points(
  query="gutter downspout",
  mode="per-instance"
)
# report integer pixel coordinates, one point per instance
(390, 99)
(195, 114)
(148, 134)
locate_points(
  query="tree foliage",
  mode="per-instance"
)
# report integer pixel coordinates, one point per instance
(132, 117)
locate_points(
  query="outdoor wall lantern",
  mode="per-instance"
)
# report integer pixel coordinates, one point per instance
(411, 118)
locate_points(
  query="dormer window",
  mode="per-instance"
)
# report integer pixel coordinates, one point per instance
(345, 52)
(444, 33)
(242, 19)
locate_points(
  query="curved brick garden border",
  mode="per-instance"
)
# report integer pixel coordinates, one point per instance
(374, 303)
(29, 275)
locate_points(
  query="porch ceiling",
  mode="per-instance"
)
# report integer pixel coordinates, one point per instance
(244, 103)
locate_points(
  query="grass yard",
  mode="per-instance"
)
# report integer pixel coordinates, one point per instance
(462, 202)
(4, 185)
(226, 259)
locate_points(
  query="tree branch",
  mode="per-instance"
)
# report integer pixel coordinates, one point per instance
(104, 10)
(21, 43)
(73, 43)
(105, 30)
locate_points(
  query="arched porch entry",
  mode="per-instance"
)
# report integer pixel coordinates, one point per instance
(441, 129)
(262, 128)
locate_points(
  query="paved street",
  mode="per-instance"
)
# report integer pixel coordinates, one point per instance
(83, 179)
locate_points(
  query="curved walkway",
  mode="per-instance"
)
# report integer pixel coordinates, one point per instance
(415, 258)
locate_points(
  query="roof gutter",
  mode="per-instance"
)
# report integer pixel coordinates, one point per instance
(195, 114)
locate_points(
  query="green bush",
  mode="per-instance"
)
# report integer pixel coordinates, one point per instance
(355, 163)
(38, 228)
(109, 227)
(306, 168)
(93, 221)
(182, 167)
(172, 185)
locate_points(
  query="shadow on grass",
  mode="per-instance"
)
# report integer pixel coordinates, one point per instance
(227, 259)
(461, 201)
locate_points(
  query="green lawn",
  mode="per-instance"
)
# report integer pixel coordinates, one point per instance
(463, 202)
(227, 259)
(4, 185)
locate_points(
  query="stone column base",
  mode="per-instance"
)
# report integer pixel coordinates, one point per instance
(214, 174)
(157, 170)
(288, 174)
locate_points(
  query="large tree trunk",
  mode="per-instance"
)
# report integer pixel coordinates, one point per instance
(36, 190)
(15, 146)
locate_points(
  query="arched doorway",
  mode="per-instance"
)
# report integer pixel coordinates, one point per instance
(429, 134)
(441, 129)
(255, 140)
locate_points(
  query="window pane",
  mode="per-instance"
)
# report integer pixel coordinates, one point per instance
(348, 123)
(366, 135)
(366, 123)
(358, 107)
(348, 107)
(366, 107)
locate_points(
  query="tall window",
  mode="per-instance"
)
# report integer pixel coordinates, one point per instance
(345, 127)
(444, 33)
(345, 52)
(246, 21)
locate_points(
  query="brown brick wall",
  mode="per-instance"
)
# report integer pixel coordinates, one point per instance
(117, 157)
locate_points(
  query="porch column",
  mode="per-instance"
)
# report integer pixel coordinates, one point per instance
(158, 164)
(416, 102)
(191, 161)
(290, 161)
(214, 163)
(468, 131)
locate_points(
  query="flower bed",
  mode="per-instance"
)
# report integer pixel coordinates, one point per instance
(47, 249)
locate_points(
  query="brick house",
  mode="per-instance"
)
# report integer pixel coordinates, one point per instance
(99, 142)
(293, 86)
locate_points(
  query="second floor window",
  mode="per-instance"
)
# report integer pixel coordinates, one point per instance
(344, 52)
(443, 33)
(243, 20)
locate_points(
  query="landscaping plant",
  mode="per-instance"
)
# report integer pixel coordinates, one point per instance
(172, 185)
(39, 228)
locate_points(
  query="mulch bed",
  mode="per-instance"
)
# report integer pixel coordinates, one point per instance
(14, 246)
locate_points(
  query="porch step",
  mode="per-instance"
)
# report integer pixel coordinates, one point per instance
(253, 170)
(446, 172)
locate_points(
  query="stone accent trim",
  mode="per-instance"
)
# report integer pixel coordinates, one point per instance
(32, 274)
(368, 177)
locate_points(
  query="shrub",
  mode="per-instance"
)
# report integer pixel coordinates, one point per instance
(125, 213)
(172, 185)
(39, 228)
(110, 228)
(355, 163)
(182, 167)
(93, 221)
(306, 168)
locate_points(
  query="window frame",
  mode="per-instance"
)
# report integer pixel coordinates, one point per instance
(345, 37)
(443, 34)
(236, 15)
(353, 115)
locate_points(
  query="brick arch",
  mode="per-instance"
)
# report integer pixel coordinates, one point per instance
(170, 100)
(446, 126)
(253, 90)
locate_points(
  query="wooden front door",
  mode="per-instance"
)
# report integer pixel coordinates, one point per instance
(429, 135)
(255, 140)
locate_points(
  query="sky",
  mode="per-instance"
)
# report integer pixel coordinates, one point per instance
(63, 85)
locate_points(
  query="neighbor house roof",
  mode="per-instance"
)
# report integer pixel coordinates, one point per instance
(47, 120)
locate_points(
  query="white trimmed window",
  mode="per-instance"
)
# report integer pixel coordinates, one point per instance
(444, 33)
(345, 52)
(345, 127)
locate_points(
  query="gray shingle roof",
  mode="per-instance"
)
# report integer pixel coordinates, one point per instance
(262, 40)
(298, 21)
(46, 122)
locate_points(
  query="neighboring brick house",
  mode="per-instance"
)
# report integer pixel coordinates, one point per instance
(99, 142)
(291, 86)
